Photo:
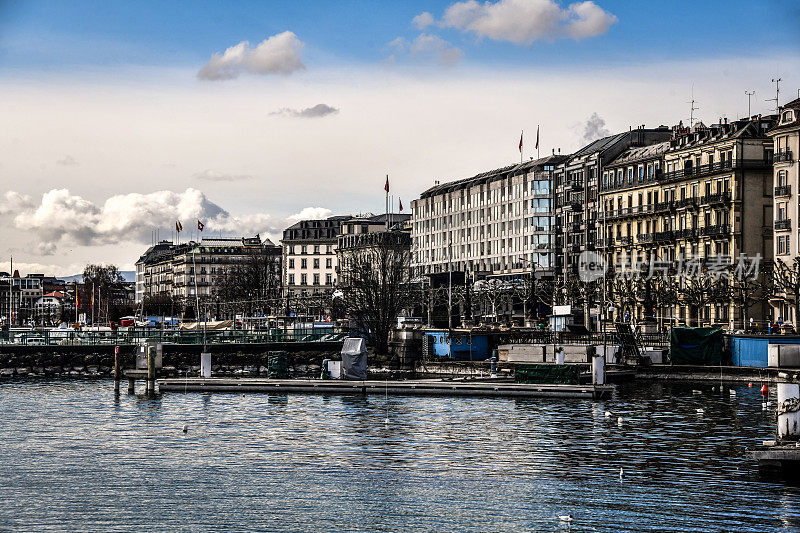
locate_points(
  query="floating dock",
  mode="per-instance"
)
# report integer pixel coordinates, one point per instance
(486, 388)
(778, 457)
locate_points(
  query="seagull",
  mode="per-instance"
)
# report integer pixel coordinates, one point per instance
(621, 473)
(619, 421)
(695, 391)
(185, 428)
(608, 414)
(565, 517)
(732, 392)
(700, 411)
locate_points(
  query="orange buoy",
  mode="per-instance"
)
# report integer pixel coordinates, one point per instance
(764, 389)
(750, 384)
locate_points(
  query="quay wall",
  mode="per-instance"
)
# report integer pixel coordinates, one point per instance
(304, 358)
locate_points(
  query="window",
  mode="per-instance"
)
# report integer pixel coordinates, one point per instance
(316, 262)
(329, 263)
(303, 279)
(291, 279)
(304, 263)
(329, 279)
(316, 279)
(291, 263)
(304, 249)
(316, 248)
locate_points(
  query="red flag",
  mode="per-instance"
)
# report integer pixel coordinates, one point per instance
(520, 143)
(77, 298)
(386, 187)
(200, 225)
(537, 137)
(178, 226)
(401, 204)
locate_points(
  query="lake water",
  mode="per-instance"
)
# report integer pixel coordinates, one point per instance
(72, 457)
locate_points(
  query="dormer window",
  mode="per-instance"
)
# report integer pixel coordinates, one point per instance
(788, 116)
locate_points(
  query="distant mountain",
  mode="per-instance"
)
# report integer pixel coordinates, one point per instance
(127, 275)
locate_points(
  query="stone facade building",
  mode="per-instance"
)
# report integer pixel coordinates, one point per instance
(705, 193)
(786, 180)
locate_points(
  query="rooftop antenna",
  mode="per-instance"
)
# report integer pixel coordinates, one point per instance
(749, 94)
(777, 82)
(692, 109)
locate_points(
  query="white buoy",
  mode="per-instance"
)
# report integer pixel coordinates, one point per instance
(565, 517)
(621, 473)
(608, 414)
(732, 392)
(696, 391)
(619, 421)
(700, 411)
(185, 428)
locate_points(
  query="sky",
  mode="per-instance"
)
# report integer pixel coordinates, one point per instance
(120, 118)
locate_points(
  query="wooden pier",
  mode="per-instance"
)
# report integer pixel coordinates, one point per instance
(486, 388)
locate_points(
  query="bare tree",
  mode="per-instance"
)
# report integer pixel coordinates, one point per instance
(375, 280)
(699, 290)
(786, 283)
(104, 292)
(252, 285)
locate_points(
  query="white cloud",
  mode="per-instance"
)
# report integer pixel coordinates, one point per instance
(67, 161)
(434, 48)
(14, 201)
(526, 21)
(425, 48)
(423, 20)
(61, 217)
(319, 110)
(279, 54)
(213, 175)
(310, 213)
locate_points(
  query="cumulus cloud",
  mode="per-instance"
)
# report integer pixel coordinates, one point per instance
(319, 110)
(423, 20)
(67, 161)
(425, 48)
(593, 129)
(213, 175)
(310, 213)
(279, 54)
(62, 217)
(526, 21)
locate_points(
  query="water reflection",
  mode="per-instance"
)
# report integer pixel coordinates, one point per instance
(75, 456)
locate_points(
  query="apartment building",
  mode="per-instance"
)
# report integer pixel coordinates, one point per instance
(497, 223)
(707, 192)
(576, 189)
(309, 255)
(785, 137)
(189, 269)
(18, 306)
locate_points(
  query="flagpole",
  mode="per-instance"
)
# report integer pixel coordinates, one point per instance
(537, 141)
(522, 133)
(387, 202)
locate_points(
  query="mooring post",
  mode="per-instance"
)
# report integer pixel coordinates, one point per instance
(116, 369)
(131, 385)
(151, 369)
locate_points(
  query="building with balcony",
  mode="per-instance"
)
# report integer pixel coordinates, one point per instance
(785, 135)
(497, 223)
(18, 297)
(192, 269)
(707, 192)
(576, 192)
(309, 254)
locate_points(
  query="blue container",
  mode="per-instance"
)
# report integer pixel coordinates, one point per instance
(462, 346)
(753, 350)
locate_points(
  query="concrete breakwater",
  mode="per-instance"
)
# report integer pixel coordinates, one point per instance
(234, 359)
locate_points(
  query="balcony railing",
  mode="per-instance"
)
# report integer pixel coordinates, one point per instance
(715, 168)
(662, 207)
(716, 198)
(716, 230)
(664, 236)
(784, 224)
(685, 202)
(625, 241)
(783, 157)
(645, 238)
(686, 233)
(783, 190)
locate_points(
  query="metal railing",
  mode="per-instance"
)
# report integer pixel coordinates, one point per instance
(657, 340)
(783, 190)
(170, 336)
(784, 224)
(784, 156)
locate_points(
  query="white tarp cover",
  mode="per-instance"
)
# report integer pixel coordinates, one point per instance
(354, 358)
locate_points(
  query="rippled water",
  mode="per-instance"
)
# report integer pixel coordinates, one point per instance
(72, 457)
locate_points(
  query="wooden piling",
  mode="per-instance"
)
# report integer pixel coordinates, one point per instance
(151, 369)
(116, 369)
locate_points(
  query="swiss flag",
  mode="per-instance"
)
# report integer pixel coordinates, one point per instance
(386, 187)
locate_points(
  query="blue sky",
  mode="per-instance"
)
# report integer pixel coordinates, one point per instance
(60, 35)
(121, 117)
